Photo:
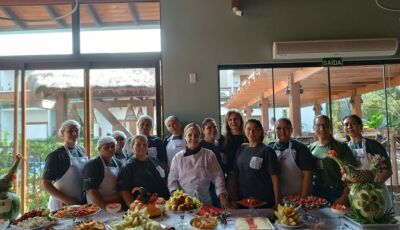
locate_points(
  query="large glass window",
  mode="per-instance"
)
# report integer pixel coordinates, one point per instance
(53, 96)
(119, 98)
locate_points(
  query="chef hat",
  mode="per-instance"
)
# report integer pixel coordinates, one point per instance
(105, 140)
(66, 124)
(118, 133)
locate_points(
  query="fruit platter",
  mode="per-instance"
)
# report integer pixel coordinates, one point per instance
(309, 202)
(288, 217)
(75, 211)
(204, 222)
(149, 202)
(182, 202)
(253, 223)
(138, 218)
(251, 203)
(34, 219)
(91, 225)
(209, 210)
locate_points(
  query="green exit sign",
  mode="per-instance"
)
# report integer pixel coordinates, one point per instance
(328, 62)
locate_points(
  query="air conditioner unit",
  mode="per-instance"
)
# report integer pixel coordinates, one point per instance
(373, 47)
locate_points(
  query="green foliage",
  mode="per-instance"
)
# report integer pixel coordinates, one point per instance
(375, 120)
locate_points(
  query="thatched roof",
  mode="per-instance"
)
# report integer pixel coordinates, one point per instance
(110, 82)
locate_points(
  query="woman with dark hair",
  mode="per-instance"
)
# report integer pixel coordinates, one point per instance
(327, 180)
(195, 168)
(231, 139)
(257, 168)
(295, 160)
(363, 150)
(62, 176)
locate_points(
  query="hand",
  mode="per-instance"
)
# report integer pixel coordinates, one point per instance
(224, 201)
(343, 200)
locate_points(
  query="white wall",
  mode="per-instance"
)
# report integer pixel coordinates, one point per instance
(199, 35)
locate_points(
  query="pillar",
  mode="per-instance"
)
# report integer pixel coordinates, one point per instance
(265, 113)
(294, 106)
(356, 105)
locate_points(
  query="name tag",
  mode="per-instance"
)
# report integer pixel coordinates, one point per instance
(256, 162)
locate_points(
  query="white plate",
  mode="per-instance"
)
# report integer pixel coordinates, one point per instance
(374, 226)
(288, 226)
(4, 223)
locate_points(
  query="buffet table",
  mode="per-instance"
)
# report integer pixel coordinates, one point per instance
(326, 220)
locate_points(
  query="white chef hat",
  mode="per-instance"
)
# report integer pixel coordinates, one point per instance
(118, 133)
(105, 140)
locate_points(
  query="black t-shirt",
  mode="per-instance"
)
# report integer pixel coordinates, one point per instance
(255, 166)
(303, 157)
(157, 143)
(58, 162)
(137, 173)
(229, 150)
(93, 172)
(213, 147)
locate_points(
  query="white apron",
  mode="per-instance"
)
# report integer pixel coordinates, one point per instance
(5, 205)
(70, 183)
(291, 179)
(173, 147)
(108, 187)
(363, 157)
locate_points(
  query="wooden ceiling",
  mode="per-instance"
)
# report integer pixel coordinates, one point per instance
(345, 82)
(40, 14)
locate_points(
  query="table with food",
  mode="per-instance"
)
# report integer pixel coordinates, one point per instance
(182, 211)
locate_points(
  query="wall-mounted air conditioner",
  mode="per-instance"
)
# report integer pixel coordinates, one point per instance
(370, 47)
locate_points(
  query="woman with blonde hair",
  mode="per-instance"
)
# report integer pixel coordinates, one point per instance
(195, 168)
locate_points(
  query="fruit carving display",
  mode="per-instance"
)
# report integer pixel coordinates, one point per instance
(9, 201)
(204, 222)
(180, 202)
(209, 210)
(365, 197)
(138, 219)
(308, 202)
(76, 211)
(147, 201)
(288, 216)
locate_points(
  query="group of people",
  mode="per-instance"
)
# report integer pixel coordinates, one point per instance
(219, 171)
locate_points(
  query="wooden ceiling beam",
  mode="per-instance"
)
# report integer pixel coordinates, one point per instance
(92, 12)
(10, 14)
(53, 13)
(133, 11)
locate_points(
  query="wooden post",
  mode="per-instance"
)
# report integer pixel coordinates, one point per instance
(150, 107)
(265, 113)
(294, 106)
(16, 108)
(248, 112)
(60, 106)
(317, 109)
(356, 105)
(392, 142)
(24, 171)
(88, 112)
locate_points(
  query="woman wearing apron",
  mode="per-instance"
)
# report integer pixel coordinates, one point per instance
(140, 172)
(327, 182)
(62, 176)
(195, 168)
(120, 137)
(256, 173)
(100, 175)
(295, 161)
(175, 142)
(364, 148)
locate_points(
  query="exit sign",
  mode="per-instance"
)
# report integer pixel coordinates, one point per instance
(328, 62)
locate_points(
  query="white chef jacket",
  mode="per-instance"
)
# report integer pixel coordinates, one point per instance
(193, 174)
